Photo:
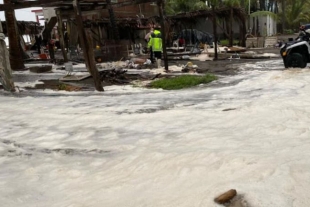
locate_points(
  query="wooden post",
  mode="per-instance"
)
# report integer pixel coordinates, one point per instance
(88, 51)
(214, 33)
(5, 66)
(163, 33)
(73, 35)
(243, 32)
(113, 20)
(231, 38)
(61, 35)
(16, 57)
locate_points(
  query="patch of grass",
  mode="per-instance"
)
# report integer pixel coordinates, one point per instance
(184, 81)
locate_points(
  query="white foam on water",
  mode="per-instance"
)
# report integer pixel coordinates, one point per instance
(143, 147)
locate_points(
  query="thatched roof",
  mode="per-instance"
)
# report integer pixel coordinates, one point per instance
(24, 27)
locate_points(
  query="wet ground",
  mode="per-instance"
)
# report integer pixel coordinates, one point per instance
(222, 67)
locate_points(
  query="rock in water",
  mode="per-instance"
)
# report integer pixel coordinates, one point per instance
(226, 197)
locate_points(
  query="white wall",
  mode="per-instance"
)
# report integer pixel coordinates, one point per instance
(268, 29)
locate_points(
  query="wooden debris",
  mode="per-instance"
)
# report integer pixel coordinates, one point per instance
(74, 77)
(114, 76)
(156, 76)
(225, 197)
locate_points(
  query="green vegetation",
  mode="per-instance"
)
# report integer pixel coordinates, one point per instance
(226, 42)
(62, 86)
(178, 6)
(184, 81)
(288, 31)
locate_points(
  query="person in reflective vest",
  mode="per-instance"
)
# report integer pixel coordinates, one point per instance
(147, 39)
(156, 44)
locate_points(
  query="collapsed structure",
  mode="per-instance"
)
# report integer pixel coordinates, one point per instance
(109, 26)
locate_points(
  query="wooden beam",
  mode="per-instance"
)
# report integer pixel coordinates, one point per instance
(27, 4)
(132, 2)
(61, 35)
(163, 33)
(214, 33)
(59, 3)
(5, 66)
(16, 55)
(88, 50)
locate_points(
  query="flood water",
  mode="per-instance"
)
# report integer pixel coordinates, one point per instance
(138, 147)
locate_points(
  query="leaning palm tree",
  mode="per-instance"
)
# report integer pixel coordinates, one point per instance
(16, 60)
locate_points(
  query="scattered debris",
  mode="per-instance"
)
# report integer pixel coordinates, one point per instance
(75, 77)
(235, 56)
(189, 68)
(114, 76)
(202, 57)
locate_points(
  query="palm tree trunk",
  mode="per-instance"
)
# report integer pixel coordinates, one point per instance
(283, 15)
(16, 60)
(160, 5)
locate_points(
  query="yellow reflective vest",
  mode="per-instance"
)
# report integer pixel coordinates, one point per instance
(156, 42)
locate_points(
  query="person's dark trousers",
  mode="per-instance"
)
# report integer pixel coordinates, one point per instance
(152, 55)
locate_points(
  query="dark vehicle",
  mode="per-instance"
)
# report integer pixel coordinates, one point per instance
(296, 53)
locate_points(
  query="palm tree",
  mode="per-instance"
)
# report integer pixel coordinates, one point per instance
(16, 60)
(294, 12)
(214, 4)
(283, 2)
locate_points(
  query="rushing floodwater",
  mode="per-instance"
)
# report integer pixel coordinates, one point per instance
(133, 147)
